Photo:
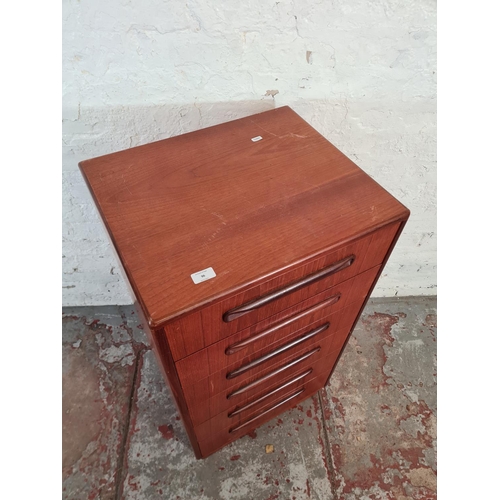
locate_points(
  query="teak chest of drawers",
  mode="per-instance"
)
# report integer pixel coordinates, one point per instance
(251, 248)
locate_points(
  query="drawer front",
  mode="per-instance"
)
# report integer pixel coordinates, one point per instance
(317, 335)
(244, 347)
(241, 414)
(233, 314)
(221, 429)
(317, 358)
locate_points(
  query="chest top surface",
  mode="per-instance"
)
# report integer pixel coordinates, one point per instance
(215, 198)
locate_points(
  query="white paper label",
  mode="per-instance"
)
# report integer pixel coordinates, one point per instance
(255, 139)
(204, 275)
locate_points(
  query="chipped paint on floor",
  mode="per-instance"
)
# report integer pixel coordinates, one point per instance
(381, 401)
(157, 457)
(369, 435)
(161, 464)
(100, 347)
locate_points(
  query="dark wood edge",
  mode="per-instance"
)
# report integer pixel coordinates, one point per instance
(384, 262)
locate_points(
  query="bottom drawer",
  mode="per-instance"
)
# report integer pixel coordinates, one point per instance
(227, 427)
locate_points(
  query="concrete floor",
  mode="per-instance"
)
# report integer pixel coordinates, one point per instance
(371, 434)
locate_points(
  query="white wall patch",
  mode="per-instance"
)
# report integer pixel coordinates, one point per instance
(204, 275)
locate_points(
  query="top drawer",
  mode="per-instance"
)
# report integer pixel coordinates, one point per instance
(202, 328)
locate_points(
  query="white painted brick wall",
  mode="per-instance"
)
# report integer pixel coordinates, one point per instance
(361, 72)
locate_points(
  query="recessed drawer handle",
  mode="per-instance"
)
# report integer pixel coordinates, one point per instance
(271, 374)
(237, 411)
(272, 354)
(234, 348)
(277, 405)
(232, 314)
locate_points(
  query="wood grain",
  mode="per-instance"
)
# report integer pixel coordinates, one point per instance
(275, 296)
(380, 269)
(242, 411)
(204, 403)
(220, 404)
(214, 358)
(197, 330)
(213, 198)
(215, 433)
(196, 392)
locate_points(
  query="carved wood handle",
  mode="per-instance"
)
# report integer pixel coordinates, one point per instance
(238, 346)
(279, 350)
(277, 405)
(238, 410)
(232, 314)
(271, 374)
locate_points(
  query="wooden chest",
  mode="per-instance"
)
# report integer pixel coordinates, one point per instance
(251, 248)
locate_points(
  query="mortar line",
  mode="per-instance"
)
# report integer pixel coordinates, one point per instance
(123, 450)
(329, 458)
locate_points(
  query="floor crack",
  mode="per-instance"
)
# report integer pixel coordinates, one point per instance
(124, 446)
(329, 458)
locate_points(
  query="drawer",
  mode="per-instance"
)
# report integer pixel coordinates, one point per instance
(221, 429)
(252, 343)
(238, 415)
(202, 408)
(197, 331)
(318, 334)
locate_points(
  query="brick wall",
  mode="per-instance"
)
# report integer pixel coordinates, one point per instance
(361, 72)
